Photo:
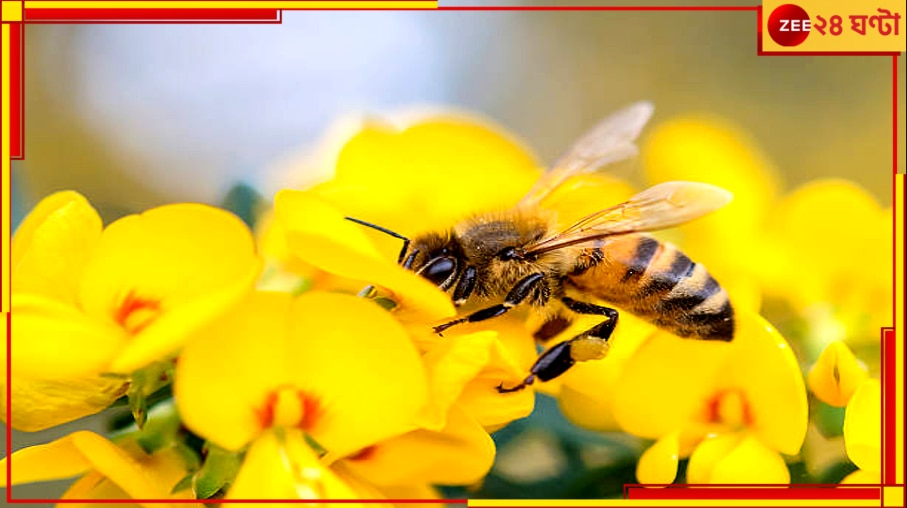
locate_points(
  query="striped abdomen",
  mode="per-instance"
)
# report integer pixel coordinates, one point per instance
(657, 282)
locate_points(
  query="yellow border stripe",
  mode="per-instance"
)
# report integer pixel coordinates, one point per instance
(246, 4)
(5, 163)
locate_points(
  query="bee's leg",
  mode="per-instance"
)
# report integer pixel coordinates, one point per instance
(589, 345)
(465, 286)
(520, 292)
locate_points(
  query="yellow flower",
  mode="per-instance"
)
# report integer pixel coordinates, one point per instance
(460, 453)
(451, 445)
(281, 369)
(746, 397)
(318, 233)
(428, 175)
(105, 470)
(88, 301)
(803, 248)
(836, 375)
(833, 246)
(863, 433)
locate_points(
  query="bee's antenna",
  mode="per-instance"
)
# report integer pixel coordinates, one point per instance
(385, 231)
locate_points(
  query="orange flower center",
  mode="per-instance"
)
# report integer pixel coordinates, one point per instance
(288, 407)
(730, 408)
(135, 313)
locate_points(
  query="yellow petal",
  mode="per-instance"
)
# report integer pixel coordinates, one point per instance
(863, 427)
(460, 454)
(56, 460)
(164, 273)
(707, 455)
(445, 167)
(736, 459)
(658, 464)
(53, 340)
(94, 486)
(836, 375)
(227, 370)
(235, 378)
(666, 384)
(84, 451)
(763, 367)
(412, 491)
(118, 466)
(353, 370)
(751, 461)
(806, 226)
(42, 399)
(41, 404)
(285, 467)
(52, 245)
(318, 234)
(672, 383)
(467, 369)
(861, 477)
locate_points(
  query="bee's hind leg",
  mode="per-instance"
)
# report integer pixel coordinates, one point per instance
(589, 345)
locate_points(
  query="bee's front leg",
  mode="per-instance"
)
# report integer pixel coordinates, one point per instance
(517, 295)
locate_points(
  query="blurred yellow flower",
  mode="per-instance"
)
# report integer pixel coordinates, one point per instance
(833, 245)
(429, 174)
(863, 433)
(836, 375)
(105, 470)
(88, 301)
(808, 248)
(283, 369)
(745, 397)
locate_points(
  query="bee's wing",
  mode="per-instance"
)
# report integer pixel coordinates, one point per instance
(610, 141)
(659, 207)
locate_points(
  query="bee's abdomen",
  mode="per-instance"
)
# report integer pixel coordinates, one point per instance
(657, 282)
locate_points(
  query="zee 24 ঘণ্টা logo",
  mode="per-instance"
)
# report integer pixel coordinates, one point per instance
(790, 25)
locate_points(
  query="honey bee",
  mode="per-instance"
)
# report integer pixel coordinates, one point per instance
(519, 257)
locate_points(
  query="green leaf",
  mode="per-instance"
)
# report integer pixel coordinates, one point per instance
(137, 404)
(160, 428)
(837, 472)
(145, 382)
(828, 419)
(218, 471)
(183, 484)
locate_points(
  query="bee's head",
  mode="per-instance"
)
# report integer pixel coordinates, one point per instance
(433, 256)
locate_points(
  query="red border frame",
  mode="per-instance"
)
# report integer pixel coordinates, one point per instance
(142, 15)
(271, 16)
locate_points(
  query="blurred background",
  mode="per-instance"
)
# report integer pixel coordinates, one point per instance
(135, 116)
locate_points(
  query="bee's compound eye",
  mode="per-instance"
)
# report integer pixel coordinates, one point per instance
(440, 271)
